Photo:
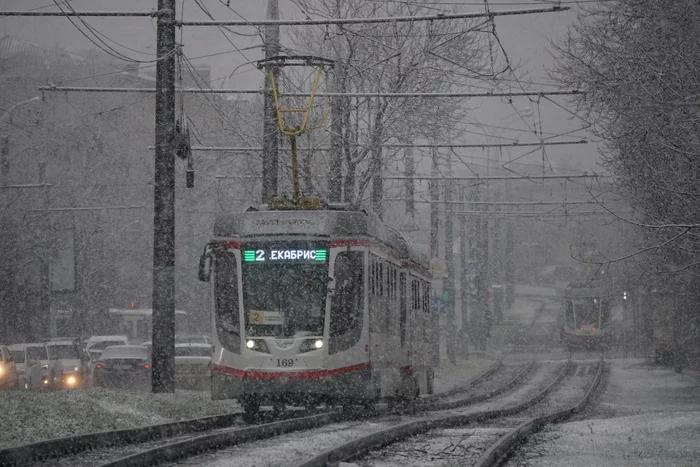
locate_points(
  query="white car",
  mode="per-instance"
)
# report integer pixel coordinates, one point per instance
(68, 364)
(8, 369)
(32, 365)
(192, 365)
(96, 344)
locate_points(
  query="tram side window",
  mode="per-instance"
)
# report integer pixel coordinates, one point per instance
(381, 278)
(226, 300)
(403, 308)
(347, 303)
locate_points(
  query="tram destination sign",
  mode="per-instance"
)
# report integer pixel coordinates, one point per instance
(267, 255)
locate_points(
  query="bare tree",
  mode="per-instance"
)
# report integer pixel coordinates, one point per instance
(639, 63)
(425, 57)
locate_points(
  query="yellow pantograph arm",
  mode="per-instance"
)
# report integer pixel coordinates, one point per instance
(307, 110)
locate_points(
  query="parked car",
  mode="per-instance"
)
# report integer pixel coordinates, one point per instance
(123, 366)
(68, 364)
(8, 369)
(192, 339)
(96, 344)
(32, 365)
(192, 365)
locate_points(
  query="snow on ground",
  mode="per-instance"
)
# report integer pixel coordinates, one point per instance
(647, 416)
(29, 416)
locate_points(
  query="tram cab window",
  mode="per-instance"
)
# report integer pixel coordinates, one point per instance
(285, 286)
(226, 298)
(347, 304)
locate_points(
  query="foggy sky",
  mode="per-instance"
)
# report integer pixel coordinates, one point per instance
(525, 39)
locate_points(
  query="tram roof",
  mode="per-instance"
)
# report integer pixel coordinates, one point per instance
(340, 221)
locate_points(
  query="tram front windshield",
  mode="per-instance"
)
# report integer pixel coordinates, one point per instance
(284, 288)
(587, 311)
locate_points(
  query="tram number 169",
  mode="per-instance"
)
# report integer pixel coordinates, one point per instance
(285, 362)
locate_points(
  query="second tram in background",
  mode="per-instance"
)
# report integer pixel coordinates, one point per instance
(587, 314)
(316, 306)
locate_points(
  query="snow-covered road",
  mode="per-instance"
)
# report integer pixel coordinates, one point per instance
(646, 416)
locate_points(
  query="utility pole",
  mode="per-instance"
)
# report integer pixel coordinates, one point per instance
(434, 242)
(335, 176)
(409, 172)
(449, 287)
(163, 379)
(270, 156)
(465, 280)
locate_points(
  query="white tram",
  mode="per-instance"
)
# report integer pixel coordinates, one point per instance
(316, 306)
(586, 320)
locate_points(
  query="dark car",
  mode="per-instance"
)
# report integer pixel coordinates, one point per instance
(123, 366)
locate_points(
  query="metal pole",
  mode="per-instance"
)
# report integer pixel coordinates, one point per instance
(295, 169)
(163, 379)
(450, 267)
(464, 256)
(435, 246)
(409, 172)
(335, 174)
(270, 157)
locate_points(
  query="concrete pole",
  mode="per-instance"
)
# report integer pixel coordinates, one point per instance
(163, 379)
(270, 156)
(449, 286)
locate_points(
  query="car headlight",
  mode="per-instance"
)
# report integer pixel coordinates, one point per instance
(72, 380)
(309, 345)
(258, 345)
(2, 371)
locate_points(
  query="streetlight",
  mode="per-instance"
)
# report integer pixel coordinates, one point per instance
(35, 98)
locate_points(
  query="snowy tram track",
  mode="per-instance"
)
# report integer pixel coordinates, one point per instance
(327, 422)
(294, 447)
(485, 437)
(29, 454)
(496, 380)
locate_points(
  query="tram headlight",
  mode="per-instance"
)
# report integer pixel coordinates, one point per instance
(310, 344)
(257, 345)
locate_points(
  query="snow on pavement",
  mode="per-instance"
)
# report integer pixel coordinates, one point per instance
(29, 416)
(647, 416)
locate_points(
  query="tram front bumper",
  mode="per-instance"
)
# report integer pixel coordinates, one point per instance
(273, 385)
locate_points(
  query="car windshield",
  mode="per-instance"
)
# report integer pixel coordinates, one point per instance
(192, 351)
(37, 353)
(63, 352)
(17, 355)
(117, 352)
(284, 288)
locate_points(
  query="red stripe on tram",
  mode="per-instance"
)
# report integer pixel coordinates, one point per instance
(234, 245)
(268, 375)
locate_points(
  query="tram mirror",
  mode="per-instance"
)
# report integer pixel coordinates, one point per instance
(331, 286)
(205, 268)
